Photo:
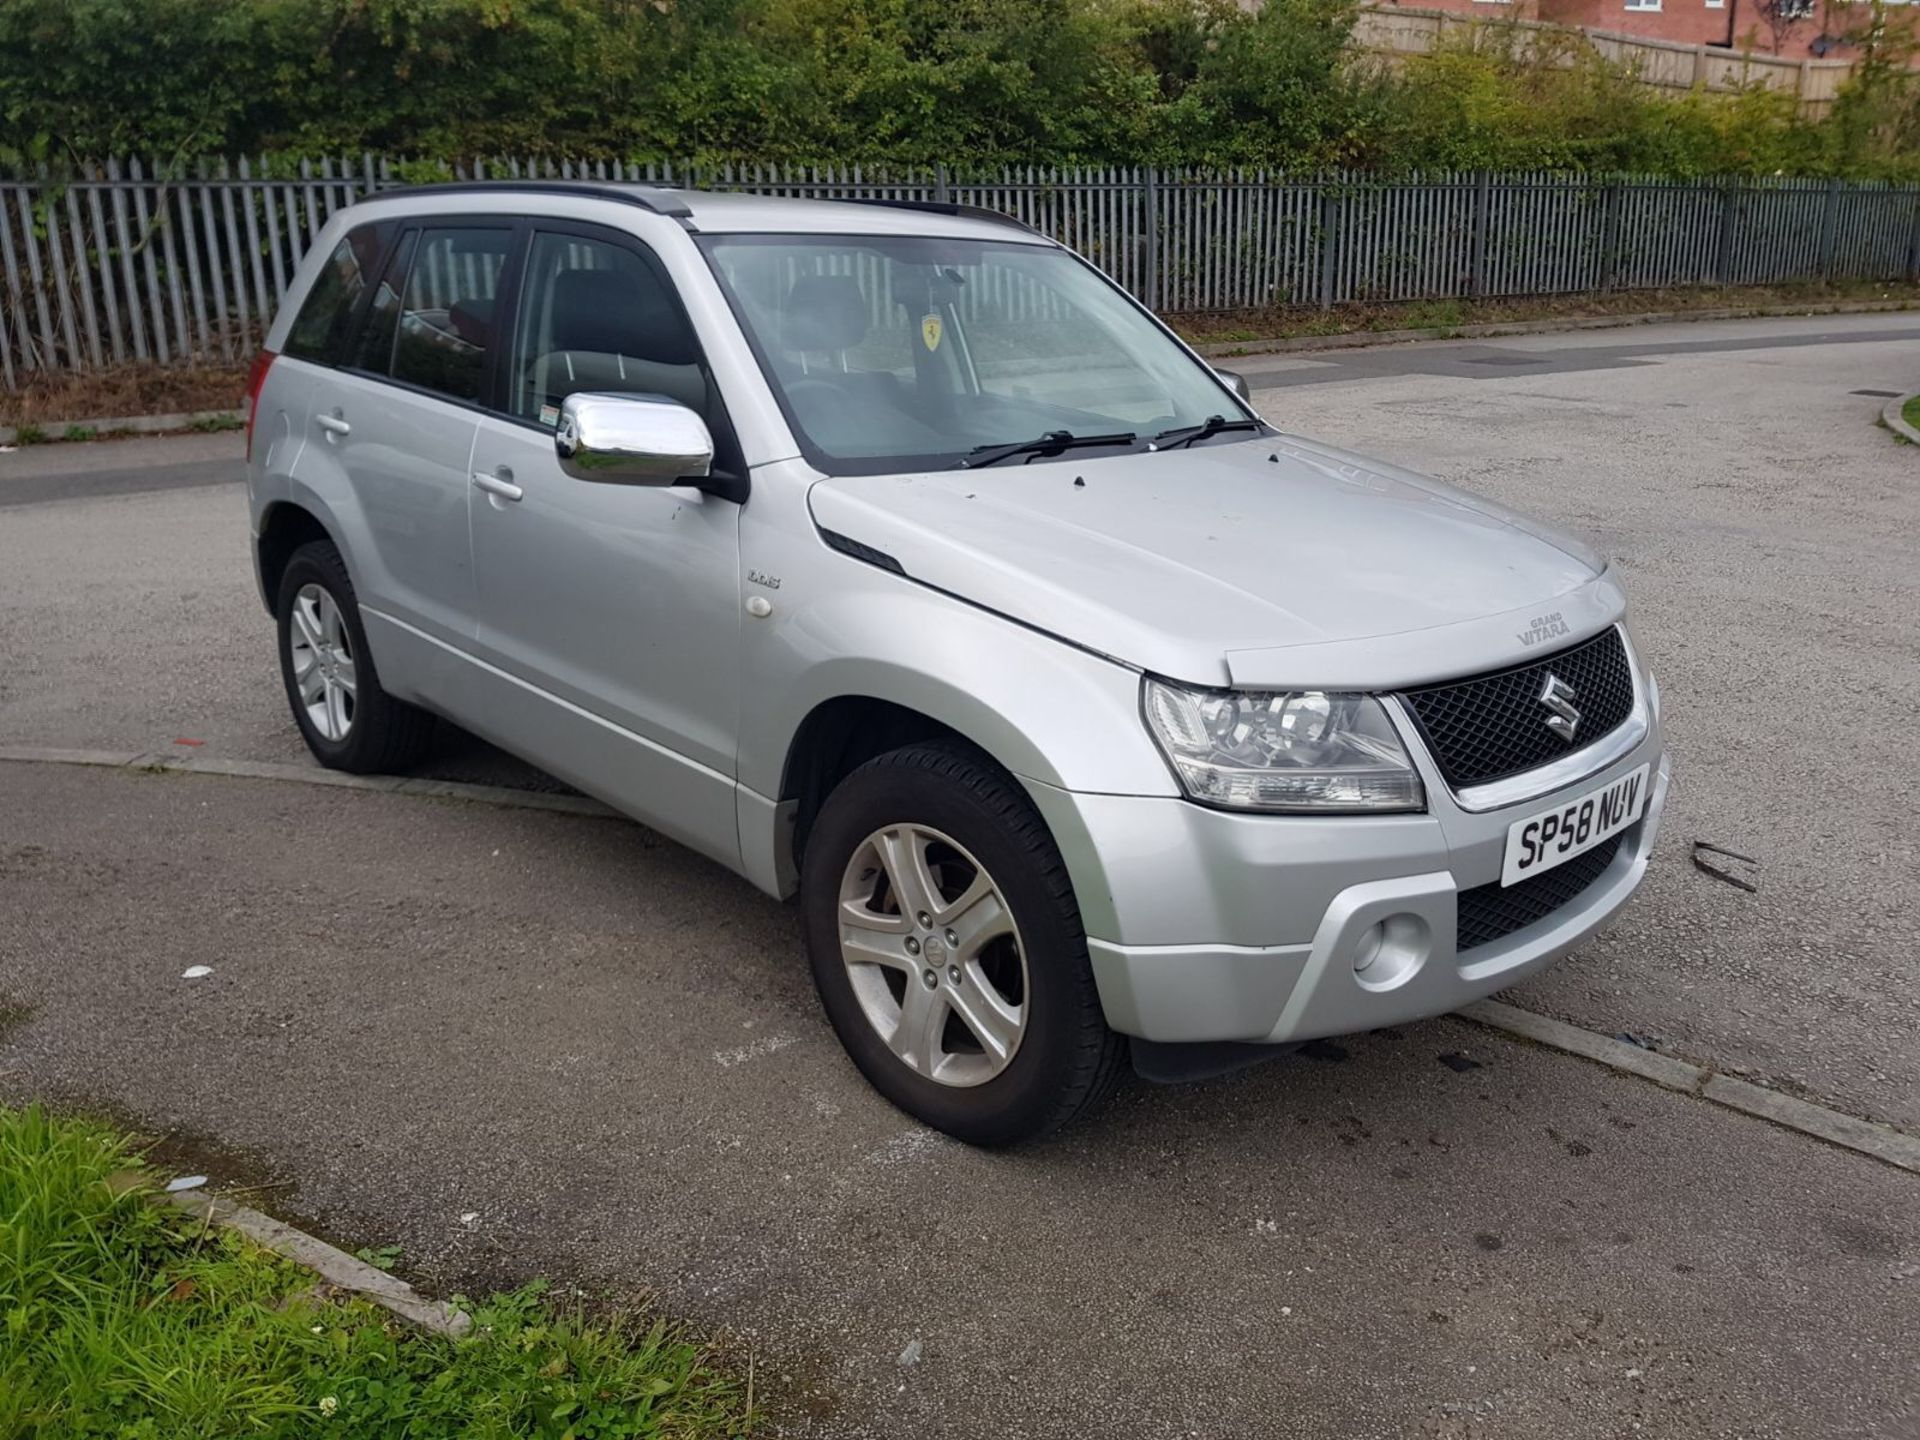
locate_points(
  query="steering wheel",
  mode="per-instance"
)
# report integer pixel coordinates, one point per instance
(799, 391)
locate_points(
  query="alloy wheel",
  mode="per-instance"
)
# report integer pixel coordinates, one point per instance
(933, 954)
(323, 667)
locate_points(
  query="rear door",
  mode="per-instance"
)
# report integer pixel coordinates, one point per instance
(398, 419)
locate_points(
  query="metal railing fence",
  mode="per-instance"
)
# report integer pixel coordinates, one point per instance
(124, 262)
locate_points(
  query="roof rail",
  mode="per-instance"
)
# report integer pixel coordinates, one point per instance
(667, 199)
(943, 207)
(660, 199)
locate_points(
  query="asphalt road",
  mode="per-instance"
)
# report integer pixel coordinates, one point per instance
(1769, 534)
(608, 1050)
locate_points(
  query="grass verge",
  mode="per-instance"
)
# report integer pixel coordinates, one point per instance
(1284, 323)
(121, 1317)
(1910, 412)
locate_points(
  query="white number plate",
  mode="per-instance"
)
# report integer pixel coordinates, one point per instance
(1553, 837)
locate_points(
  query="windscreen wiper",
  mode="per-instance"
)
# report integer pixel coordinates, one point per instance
(1051, 443)
(1212, 425)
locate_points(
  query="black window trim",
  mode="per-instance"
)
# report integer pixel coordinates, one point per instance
(410, 227)
(730, 477)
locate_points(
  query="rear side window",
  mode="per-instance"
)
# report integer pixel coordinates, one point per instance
(445, 328)
(320, 329)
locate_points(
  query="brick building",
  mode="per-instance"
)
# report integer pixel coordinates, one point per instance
(1792, 29)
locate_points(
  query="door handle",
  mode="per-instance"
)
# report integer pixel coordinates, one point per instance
(336, 422)
(500, 484)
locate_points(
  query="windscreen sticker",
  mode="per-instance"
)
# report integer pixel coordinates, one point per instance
(549, 414)
(930, 331)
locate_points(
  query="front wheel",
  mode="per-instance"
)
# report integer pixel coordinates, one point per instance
(948, 949)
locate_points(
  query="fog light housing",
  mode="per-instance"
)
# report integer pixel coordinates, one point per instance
(1390, 952)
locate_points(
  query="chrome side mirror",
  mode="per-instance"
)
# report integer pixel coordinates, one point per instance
(632, 440)
(1236, 382)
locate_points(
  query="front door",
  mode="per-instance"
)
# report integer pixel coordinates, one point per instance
(609, 613)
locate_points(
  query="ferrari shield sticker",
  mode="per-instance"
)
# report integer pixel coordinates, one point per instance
(930, 331)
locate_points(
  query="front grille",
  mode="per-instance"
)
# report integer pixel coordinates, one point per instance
(1494, 725)
(1488, 912)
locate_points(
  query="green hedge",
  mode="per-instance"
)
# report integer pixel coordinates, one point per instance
(969, 82)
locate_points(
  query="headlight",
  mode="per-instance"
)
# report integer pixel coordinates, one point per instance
(1303, 750)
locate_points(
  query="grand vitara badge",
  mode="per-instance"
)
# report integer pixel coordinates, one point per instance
(1543, 627)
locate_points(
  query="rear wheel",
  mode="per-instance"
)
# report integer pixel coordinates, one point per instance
(948, 949)
(348, 721)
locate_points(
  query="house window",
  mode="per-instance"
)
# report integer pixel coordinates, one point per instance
(1643, 4)
(1716, 4)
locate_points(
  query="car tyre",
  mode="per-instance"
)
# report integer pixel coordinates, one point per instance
(348, 721)
(1022, 1045)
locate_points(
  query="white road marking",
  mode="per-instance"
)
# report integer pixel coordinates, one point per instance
(752, 1050)
(908, 1145)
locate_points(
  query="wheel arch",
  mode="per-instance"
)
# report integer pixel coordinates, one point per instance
(841, 734)
(285, 526)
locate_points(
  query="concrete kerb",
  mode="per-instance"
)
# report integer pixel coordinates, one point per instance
(166, 764)
(334, 1266)
(115, 425)
(1492, 329)
(1893, 418)
(1865, 1137)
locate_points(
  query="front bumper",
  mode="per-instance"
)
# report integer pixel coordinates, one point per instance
(1206, 925)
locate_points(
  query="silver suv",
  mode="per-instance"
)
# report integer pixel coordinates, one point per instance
(892, 556)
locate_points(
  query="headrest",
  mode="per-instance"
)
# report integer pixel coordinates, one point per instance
(823, 312)
(469, 319)
(615, 313)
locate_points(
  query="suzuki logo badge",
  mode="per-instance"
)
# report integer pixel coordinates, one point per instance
(1558, 697)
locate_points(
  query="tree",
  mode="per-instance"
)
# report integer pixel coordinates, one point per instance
(1781, 16)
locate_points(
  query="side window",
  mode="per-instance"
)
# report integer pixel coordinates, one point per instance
(320, 329)
(595, 316)
(446, 310)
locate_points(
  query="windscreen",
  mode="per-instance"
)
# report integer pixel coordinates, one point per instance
(914, 353)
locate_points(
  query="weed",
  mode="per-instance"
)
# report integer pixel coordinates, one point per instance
(12, 1016)
(29, 435)
(213, 424)
(80, 432)
(383, 1258)
(1432, 315)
